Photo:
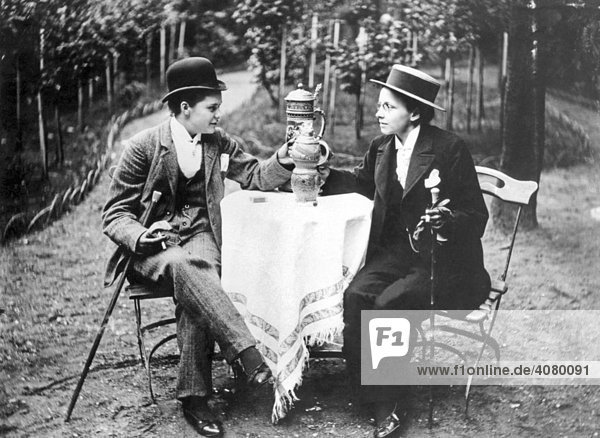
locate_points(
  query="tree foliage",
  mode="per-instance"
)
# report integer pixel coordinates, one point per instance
(263, 22)
(386, 44)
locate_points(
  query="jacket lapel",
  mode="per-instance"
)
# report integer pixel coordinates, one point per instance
(209, 149)
(168, 157)
(384, 166)
(420, 161)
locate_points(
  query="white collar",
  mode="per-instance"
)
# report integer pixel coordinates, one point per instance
(188, 149)
(411, 139)
(180, 134)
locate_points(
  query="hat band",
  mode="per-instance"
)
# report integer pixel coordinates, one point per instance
(413, 84)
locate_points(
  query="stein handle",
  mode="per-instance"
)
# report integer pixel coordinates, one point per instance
(326, 153)
(320, 112)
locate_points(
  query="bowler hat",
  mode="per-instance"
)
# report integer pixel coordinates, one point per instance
(191, 74)
(412, 83)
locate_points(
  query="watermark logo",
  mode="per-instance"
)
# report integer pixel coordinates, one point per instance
(526, 347)
(389, 337)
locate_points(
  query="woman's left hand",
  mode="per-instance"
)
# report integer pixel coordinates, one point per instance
(438, 217)
(283, 154)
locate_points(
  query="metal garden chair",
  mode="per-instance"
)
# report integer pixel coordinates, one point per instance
(509, 190)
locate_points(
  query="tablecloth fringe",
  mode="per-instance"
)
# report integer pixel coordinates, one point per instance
(287, 398)
(285, 402)
(328, 336)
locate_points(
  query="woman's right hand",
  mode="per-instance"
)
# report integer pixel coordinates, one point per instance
(152, 240)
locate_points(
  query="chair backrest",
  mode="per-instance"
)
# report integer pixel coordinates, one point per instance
(503, 187)
(498, 184)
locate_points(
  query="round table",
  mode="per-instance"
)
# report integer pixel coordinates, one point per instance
(285, 266)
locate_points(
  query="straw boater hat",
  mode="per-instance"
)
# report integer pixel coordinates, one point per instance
(192, 74)
(412, 83)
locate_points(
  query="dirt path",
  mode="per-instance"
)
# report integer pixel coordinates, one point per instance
(50, 287)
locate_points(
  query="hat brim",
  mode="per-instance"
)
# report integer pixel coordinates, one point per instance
(220, 87)
(400, 90)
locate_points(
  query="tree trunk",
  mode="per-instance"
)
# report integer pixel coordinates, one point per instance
(42, 134)
(172, 32)
(415, 48)
(282, 68)
(479, 107)
(181, 46)
(331, 110)
(362, 41)
(502, 82)
(115, 74)
(313, 51)
(19, 139)
(523, 144)
(163, 54)
(449, 92)
(470, 86)
(109, 90)
(90, 93)
(40, 107)
(60, 154)
(327, 72)
(408, 55)
(264, 81)
(148, 62)
(357, 115)
(80, 105)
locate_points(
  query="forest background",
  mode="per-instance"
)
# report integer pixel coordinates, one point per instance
(67, 70)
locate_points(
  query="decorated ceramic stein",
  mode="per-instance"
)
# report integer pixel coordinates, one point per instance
(300, 109)
(308, 152)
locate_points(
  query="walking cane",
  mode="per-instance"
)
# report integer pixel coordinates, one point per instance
(431, 183)
(145, 221)
(434, 199)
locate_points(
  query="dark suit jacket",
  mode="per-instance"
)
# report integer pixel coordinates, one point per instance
(149, 163)
(460, 271)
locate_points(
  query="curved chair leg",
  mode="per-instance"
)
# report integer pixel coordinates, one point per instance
(140, 333)
(148, 364)
(488, 333)
(146, 357)
(421, 333)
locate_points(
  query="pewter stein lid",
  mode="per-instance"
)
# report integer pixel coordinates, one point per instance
(300, 95)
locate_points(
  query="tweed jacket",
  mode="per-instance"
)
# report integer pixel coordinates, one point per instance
(461, 258)
(149, 163)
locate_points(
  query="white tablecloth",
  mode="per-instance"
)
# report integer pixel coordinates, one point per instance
(285, 266)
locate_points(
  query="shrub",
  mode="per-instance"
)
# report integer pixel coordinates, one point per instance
(567, 143)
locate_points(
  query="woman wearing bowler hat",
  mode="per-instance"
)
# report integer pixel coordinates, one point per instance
(187, 158)
(396, 275)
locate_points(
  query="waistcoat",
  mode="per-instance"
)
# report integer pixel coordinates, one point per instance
(191, 214)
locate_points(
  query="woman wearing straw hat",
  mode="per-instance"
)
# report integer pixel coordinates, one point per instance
(396, 275)
(187, 158)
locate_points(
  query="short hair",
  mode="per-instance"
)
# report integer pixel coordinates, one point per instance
(425, 111)
(192, 97)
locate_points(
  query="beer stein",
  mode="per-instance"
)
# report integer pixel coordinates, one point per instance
(309, 152)
(300, 108)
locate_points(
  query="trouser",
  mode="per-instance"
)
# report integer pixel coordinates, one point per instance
(390, 280)
(204, 312)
